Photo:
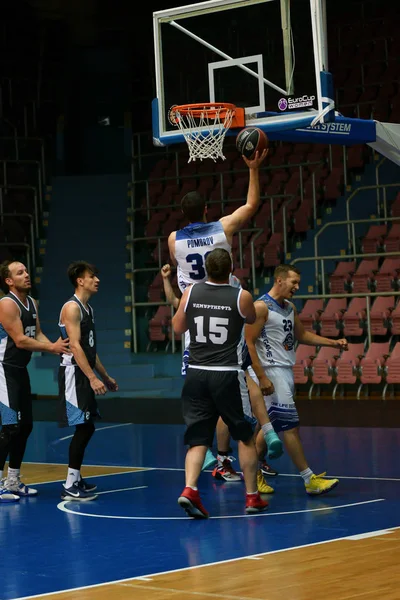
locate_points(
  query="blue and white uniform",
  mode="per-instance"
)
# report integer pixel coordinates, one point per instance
(192, 244)
(276, 351)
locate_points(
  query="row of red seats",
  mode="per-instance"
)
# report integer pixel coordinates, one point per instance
(367, 276)
(375, 365)
(338, 318)
(379, 238)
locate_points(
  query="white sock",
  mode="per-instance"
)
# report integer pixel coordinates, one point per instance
(306, 475)
(251, 493)
(193, 488)
(266, 428)
(13, 473)
(73, 475)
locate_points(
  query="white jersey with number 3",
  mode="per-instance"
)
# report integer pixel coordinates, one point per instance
(275, 345)
(192, 244)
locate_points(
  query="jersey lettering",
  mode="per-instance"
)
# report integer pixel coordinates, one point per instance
(30, 331)
(217, 330)
(91, 338)
(197, 261)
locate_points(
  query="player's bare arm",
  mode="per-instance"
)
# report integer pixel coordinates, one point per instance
(168, 290)
(71, 319)
(252, 333)
(171, 247)
(232, 223)
(312, 339)
(179, 322)
(246, 306)
(41, 337)
(11, 321)
(109, 382)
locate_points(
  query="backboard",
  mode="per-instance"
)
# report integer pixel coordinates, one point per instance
(266, 56)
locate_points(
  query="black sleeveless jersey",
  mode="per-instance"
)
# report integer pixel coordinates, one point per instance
(88, 334)
(215, 325)
(9, 353)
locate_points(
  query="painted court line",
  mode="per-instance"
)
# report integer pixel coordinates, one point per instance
(140, 487)
(143, 469)
(190, 592)
(68, 437)
(222, 562)
(62, 506)
(363, 536)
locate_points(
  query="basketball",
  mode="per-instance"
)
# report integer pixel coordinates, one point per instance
(251, 140)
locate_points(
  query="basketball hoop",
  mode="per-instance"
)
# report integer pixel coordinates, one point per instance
(204, 126)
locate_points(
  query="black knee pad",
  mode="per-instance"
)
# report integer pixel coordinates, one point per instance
(9, 432)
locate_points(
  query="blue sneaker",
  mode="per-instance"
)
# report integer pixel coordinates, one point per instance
(87, 487)
(274, 445)
(76, 493)
(15, 486)
(7, 497)
(209, 461)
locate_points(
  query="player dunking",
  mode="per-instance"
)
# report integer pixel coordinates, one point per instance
(188, 248)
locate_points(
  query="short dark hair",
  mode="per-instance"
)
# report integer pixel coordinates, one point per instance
(193, 206)
(4, 273)
(78, 268)
(283, 271)
(218, 264)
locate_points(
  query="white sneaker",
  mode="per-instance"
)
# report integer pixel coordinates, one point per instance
(5, 495)
(16, 486)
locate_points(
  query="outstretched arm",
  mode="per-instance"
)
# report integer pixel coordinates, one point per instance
(12, 324)
(312, 339)
(232, 223)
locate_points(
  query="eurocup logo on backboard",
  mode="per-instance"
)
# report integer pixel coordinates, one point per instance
(292, 103)
(282, 104)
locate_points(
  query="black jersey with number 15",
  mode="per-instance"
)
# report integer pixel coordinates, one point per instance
(215, 325)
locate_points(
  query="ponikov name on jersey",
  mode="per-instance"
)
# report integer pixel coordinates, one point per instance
(207, 241)
(213, 306)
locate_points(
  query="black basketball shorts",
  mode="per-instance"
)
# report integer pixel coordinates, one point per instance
(77, 401)
(15, 395)
(208, 394)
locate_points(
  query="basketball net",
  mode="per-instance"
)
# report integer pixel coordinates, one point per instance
(204, 128)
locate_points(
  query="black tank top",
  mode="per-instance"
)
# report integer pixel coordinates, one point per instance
(215, 325)
(9, 353)
(88, 334)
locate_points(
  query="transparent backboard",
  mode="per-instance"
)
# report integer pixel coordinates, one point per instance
(266, 56)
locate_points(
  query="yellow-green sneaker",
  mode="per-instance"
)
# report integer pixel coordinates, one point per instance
(319, 485)
(262, 485)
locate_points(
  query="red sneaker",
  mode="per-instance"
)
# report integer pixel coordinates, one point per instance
(191, 503)
(255, 504)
